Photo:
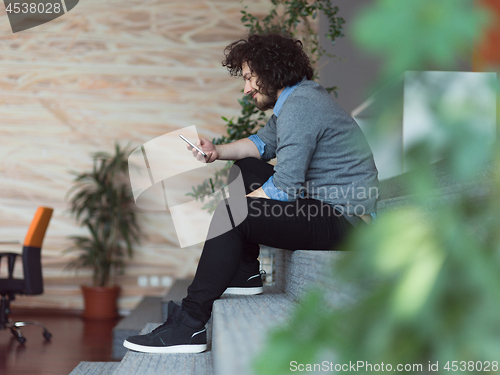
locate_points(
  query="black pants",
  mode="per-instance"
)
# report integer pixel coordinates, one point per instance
(305, 224)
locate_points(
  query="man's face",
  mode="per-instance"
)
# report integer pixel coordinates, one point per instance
(262, 101)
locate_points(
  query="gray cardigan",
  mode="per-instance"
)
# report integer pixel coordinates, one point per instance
(321, 151)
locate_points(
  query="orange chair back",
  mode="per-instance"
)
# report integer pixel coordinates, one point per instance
(38, 226)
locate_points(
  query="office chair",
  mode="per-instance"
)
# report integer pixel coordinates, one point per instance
(32, 282)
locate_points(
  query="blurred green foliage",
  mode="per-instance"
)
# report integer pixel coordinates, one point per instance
(419, 34)
(428, 272)
(291, 17)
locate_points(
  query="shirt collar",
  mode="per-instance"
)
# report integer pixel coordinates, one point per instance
(283, 96)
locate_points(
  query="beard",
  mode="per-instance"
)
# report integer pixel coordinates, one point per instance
(266, 102)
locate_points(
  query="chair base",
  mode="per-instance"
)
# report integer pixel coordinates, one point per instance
(16, 332)
(15, 326)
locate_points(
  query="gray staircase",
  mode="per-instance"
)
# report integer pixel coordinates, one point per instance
(240, 327)
(241, 323)
(95, 368)
(298, 271)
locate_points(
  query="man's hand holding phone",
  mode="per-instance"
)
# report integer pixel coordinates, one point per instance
(205, 146)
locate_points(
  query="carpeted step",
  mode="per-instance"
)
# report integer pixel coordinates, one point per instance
(95, 368)
(240, 326)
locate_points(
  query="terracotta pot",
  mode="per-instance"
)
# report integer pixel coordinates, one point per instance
(100, 302)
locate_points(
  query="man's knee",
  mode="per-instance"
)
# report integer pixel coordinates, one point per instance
(254, 171)
(247, 163)
(244, 167)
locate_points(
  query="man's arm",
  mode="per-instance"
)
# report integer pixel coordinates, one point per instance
(237, 150)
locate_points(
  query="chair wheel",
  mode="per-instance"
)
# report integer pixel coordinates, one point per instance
(18, 335)
(21, 339)
(47, 335)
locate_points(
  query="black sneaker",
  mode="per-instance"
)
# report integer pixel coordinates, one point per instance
(247, 282)
(180, 333)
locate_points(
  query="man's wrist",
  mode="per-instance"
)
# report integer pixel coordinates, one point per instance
(218, 152)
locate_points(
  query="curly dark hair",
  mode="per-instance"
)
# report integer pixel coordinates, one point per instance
(277, 60)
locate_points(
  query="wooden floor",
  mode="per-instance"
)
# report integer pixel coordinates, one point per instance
(73, 340)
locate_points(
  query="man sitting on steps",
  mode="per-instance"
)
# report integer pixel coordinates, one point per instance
(323, 184)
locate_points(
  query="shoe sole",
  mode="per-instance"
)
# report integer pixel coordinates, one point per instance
(198, 348)
(244, 291)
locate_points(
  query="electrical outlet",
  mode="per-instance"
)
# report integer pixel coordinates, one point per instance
(142, 281)
(166, 281)
(154, 281)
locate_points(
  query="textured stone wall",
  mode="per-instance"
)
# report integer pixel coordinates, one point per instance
(107, 71)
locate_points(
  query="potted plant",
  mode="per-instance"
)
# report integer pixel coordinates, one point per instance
(101, 200)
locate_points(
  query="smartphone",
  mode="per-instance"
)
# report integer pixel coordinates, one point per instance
(192, 145)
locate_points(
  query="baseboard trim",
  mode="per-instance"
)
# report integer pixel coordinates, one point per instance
(44, 311)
